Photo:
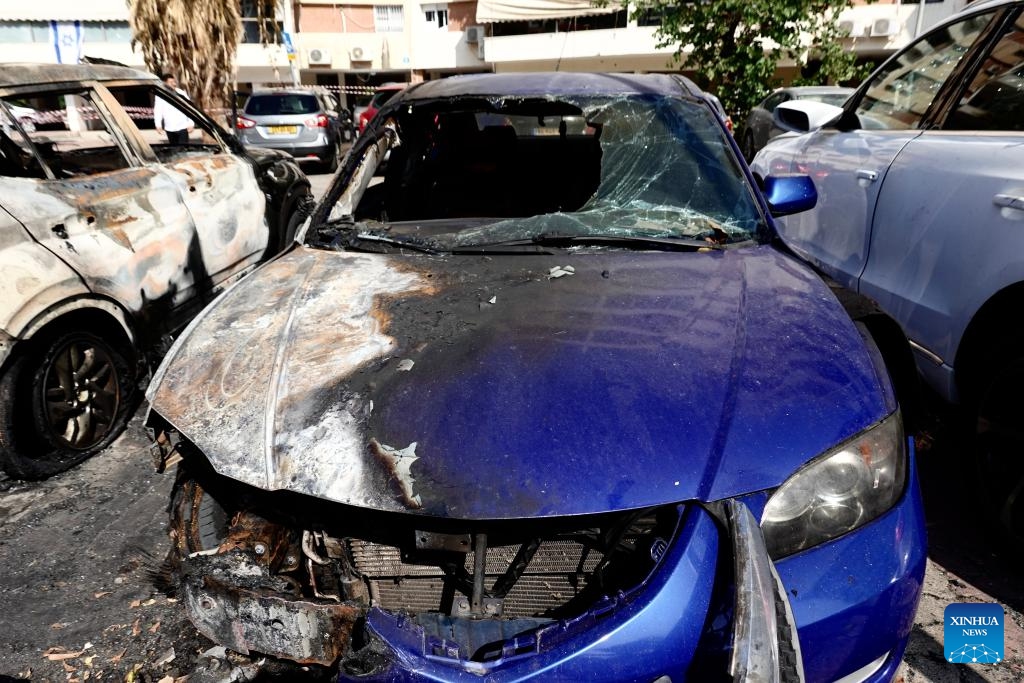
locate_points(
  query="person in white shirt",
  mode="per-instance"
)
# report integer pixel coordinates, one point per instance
(169, 119)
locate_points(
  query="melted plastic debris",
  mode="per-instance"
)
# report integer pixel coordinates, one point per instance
(560, 271)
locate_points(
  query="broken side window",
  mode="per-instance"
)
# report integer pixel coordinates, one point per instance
(68, 133)
(17, 159)
(141, 101)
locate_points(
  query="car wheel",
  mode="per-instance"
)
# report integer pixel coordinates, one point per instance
(198, 521)
(748, 146)
(62, 401)
(999, 452)
(331, 165)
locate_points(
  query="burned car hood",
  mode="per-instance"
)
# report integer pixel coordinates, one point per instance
(492, 387)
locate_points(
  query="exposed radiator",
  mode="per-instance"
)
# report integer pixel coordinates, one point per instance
(553, 577)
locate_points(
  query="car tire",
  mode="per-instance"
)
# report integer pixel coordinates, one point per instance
(198, 520)
(332, 163)
(62, 400)
(748, 146)
(999, 454)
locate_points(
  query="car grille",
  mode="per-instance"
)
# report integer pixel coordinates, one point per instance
(558, 571)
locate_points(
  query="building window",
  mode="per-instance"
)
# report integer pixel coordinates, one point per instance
(273, 30)
(388, 19)
(436, 16)
(106, 32)
(25, 32)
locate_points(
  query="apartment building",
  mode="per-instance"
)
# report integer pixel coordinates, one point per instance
(354, 45)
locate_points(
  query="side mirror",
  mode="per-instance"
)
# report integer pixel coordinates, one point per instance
(802, 116)
(788, 194)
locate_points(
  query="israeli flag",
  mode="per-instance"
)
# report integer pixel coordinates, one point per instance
(67, 41)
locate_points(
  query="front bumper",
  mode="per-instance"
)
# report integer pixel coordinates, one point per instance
(853, 601)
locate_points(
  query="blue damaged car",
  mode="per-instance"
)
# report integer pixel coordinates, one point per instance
(541, 397)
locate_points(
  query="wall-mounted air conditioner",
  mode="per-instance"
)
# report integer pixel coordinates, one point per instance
(318, 55)
(883, 27)
(360, 54)
(474, 34)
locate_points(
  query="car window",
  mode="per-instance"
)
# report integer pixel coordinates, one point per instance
(775, 100)
(381, 97)
(636, 166)
(281, 104)
(899, 95)
(139, 102)
(994, 100)
(68, 133)
(835, 99)
(17, 158)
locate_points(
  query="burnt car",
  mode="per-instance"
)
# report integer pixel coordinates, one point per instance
(112, 239)
(545, 400)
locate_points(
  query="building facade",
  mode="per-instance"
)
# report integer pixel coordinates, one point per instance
(354, 45)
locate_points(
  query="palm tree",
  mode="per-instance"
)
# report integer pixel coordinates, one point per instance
(196, 40)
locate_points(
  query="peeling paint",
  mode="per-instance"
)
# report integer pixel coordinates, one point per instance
(399, 464)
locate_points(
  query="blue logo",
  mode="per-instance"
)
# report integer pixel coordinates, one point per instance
(973, 633)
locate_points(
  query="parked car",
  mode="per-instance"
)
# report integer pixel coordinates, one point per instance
(381, 95)
(112, 240)
(921, 184)
(308, 124)
(546, 402)
(760, 128)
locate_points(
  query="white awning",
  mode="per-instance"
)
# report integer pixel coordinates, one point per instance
(65, 10)
(491, 11)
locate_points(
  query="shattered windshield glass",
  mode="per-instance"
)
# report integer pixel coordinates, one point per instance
(470, 172)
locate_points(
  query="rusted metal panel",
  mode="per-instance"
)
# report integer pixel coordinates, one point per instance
(227, 208)
(33, 278)
(126, 232)
(242, 613)
(15, 75)
(249, 394)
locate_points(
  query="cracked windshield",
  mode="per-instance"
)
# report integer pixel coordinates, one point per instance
(500, 172)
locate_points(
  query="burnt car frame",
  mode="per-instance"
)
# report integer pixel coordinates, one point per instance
(546, 401)
(111, 239)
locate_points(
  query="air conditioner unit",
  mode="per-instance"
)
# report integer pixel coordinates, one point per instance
(847, 28)
(474, 34)
(883, 27)
(318, 55)
(360, 54)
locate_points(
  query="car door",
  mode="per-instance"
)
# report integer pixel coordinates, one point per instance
(849, 161)
(216, 186)
(949, 226)
(82, 193)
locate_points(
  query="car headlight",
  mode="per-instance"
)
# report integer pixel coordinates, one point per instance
(839, 491)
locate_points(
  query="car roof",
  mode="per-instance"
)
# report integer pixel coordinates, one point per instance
(17, 74)
(553, 83)
(985, 4)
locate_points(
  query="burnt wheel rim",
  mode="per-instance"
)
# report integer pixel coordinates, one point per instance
(81, 394)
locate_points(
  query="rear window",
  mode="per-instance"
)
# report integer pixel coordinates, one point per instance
(270, 105)
(381, 97)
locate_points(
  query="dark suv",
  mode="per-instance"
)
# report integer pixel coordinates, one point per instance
(308, 125)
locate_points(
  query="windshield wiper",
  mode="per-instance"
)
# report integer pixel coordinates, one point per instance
(346, 233)
(555, 239)
(357, 240)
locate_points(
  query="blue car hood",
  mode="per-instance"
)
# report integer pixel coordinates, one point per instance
(496, 388)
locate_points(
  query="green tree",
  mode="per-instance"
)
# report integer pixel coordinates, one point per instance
(196, 40)
(734, 46)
